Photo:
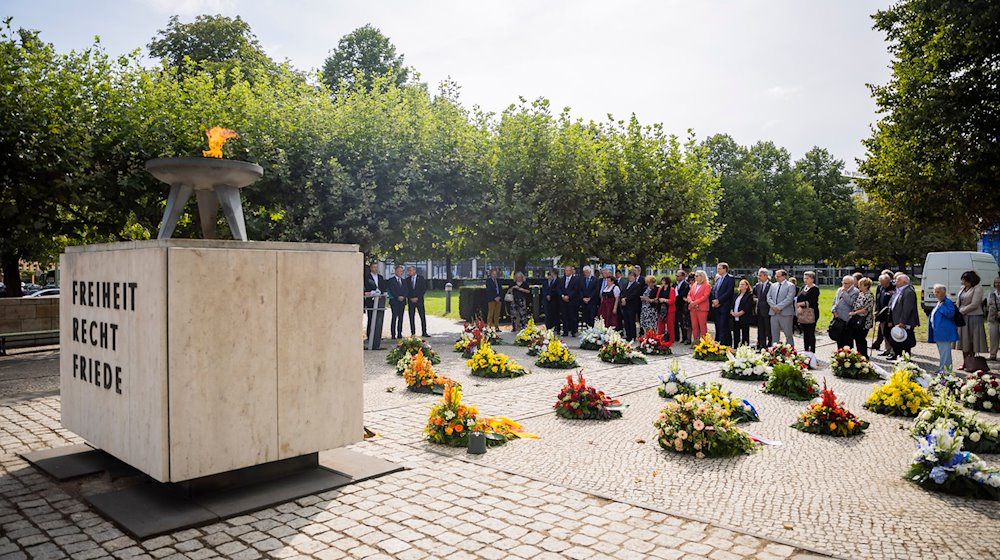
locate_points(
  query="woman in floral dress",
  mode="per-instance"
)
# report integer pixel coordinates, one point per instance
(648, 315)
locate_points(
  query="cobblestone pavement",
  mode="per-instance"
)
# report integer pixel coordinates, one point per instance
(584, 490)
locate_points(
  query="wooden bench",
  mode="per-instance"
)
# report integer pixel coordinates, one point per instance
(25, 334)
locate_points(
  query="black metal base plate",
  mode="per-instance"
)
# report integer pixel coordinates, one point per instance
(150, 508)
(74, 461)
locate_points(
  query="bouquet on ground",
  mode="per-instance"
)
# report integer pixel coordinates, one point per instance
(899, 396)
(941, 465)
(478, 327)
(525, 335)
(849, 363)
(709, 350)
(792, 382)
(829, 417)
(693, 425)
(905, 363)
(579, 401)
(946, 382)
(746, 364)
(979, 436)
(487, 362)
(739, 410)
(782, 353)
(468, 343)
(403, 363)
(675, 382)
(979, 391)
(617, 350)
(593, 338)
(556, 355)
(411, 345)
(540, 341)
(653, 344)
(500, 429)
(450, 420)
(421, 377)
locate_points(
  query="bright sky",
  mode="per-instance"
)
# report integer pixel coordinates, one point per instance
(791, 71)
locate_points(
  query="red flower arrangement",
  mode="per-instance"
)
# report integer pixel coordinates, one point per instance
(652, 343)
(829, 417)
(578, 401)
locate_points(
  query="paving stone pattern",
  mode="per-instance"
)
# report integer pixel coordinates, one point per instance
(585, 490)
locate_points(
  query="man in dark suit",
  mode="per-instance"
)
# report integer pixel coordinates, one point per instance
(569, 296)
(374, 288)
(416, 290)
(763, 310)
(903, 306)
(494, 299)
(722, 301)
(883, 295)
(682, 317)
(621, 278)
(590, 295)
(397, 301)
(550, 300)
(631, 304)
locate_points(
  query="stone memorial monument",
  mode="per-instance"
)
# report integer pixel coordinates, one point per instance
(220, 370)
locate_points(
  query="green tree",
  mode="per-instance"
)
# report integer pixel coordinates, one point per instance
(836, 216)
(935, 154)
(54, 148)
(902, 243)
(218, 41)
(767, 210)
(361, 56)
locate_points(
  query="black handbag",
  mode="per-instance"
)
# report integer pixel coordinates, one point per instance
(857, 322)
(837, 327)
(959, 318)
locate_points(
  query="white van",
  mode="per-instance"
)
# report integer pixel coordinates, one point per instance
(947, 268)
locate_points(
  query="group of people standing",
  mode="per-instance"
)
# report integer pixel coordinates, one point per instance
(402, 292)
(962, 325)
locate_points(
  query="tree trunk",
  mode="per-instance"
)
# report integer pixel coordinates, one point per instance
(12, 274)
(520, 263)
(447, 266)
(900, 264)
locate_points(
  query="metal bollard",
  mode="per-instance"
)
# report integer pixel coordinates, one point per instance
(447, 298)
(477, 443)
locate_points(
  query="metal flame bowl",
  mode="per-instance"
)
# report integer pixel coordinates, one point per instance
(203, 173)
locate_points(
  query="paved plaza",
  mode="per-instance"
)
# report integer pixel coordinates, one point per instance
(585, 489)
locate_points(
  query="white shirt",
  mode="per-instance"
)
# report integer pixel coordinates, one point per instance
(736, 304)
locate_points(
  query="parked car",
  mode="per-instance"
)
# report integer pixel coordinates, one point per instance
(947, 267)
(46, 292)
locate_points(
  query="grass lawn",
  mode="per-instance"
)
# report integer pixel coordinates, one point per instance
(434, 303)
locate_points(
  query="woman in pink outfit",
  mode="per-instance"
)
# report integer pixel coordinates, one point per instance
(698, 305)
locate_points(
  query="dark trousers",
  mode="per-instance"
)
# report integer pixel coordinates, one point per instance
(396, 326)
(629, 316)
(569, 315)
(682, 324)
(723, 330)
(881, 334)
(764, 330)
(741, 331)
(861, 341)
(846, 338)
(808, 337)
(414, 308)
(905, 346)
(590, 311)
(552, 315)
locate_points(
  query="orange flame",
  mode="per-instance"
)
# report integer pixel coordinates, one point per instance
(217, 136)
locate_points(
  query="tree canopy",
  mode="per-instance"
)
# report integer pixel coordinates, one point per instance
(362, 56)
(934, 157)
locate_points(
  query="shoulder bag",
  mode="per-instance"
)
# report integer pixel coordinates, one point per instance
(804, 314)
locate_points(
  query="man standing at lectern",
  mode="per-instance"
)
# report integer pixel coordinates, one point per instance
(374, 288)
(417, 285)
(397, 299)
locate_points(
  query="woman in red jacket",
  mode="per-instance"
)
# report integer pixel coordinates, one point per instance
(698, 304)
(666, 296)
